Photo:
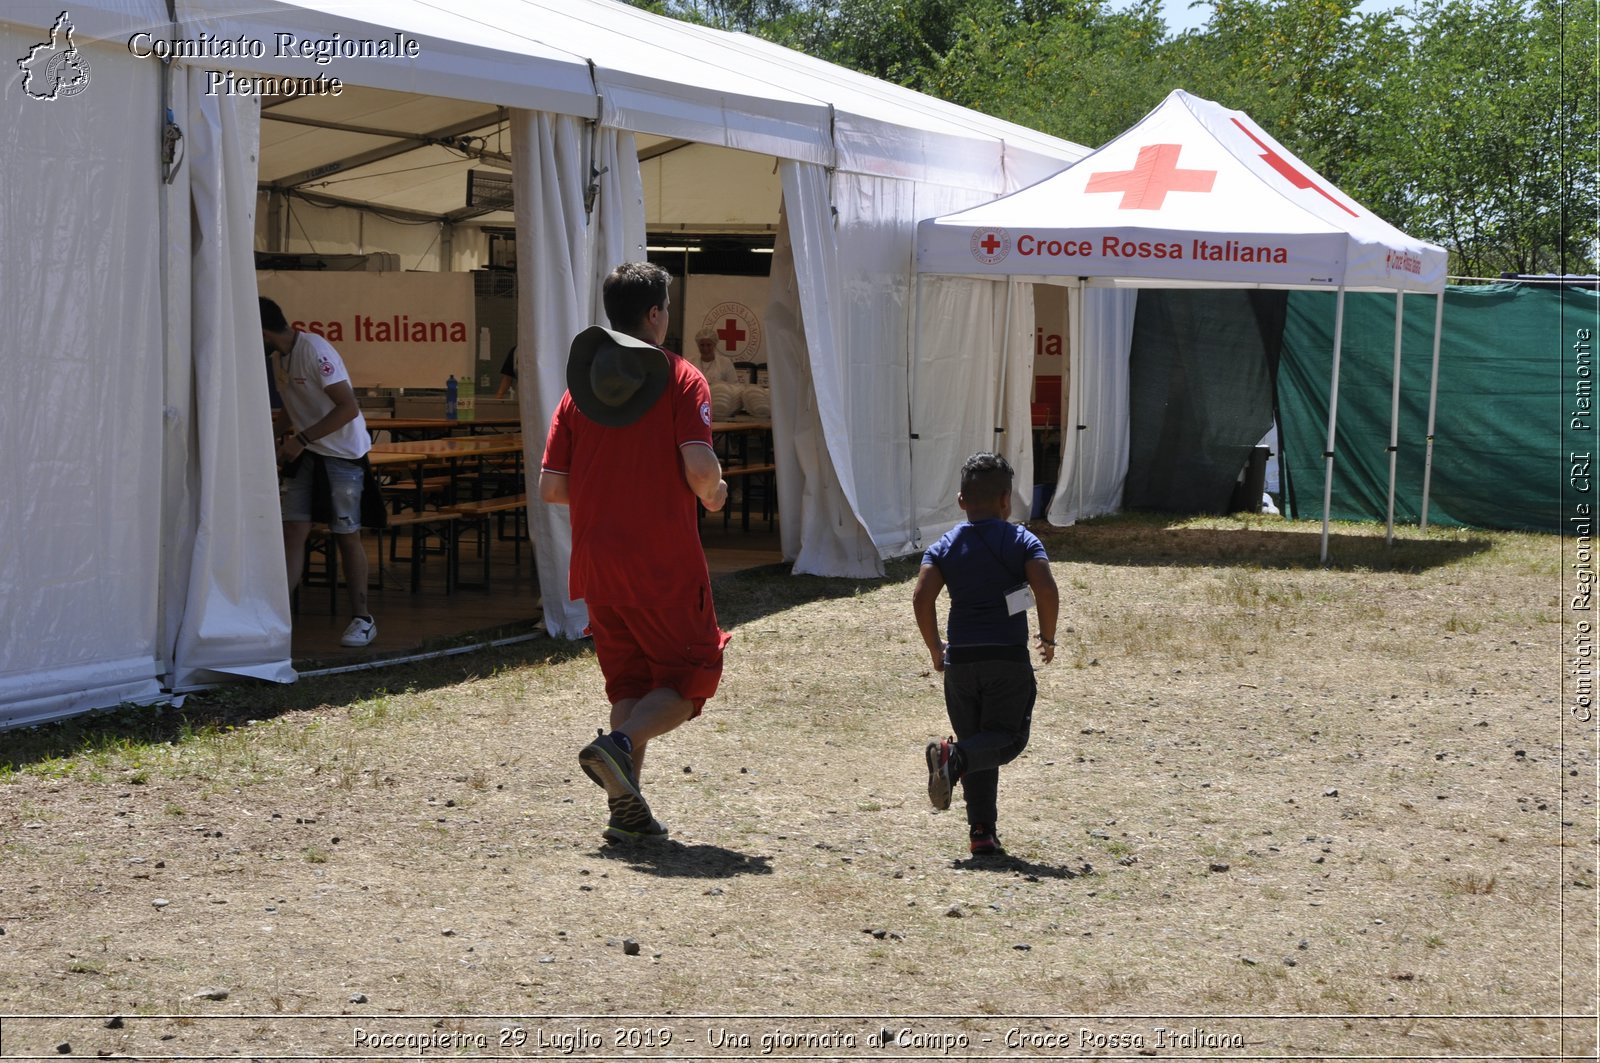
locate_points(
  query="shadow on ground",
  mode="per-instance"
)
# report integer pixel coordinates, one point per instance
(1028, 870)
(1165, 540)
(236, 705)
(673, 859)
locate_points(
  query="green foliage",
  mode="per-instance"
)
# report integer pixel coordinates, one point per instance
(1085, 74)
(744, 16)
(1500, 158)
(1470, 123)
(897, 40)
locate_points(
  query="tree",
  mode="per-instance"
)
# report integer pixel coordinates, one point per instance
(1081, 70)
(741, 16)
(1470, 123)
(898, 40)
(1498, 158)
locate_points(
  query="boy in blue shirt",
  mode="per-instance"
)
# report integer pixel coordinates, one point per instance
(994, 571)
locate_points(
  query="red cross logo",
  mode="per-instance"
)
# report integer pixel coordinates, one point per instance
(1294, 177)
(990, 246)
(730, 334)
(1154, 174)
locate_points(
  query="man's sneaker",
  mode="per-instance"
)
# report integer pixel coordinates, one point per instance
(629, 830)
(984, 841)
(605, 762)
(940, 782)
(361, 632)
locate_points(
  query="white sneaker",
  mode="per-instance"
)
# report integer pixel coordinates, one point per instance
(359, 633)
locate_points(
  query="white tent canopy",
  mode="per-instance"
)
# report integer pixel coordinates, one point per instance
(153, 563)
(1194, 195)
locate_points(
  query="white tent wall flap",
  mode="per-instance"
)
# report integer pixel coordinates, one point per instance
(570, 253)
(228, 572)
(1094, 458)
(806, 338)
(856, 297)
(81, 418)
(969, 392)
(861, 382)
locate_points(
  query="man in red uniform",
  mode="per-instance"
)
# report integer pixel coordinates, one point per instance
(629, 451)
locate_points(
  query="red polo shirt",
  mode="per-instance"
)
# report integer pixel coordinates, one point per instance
(635, 522)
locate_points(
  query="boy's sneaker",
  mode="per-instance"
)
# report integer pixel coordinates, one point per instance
(940, 781)
(361, 632)
(605, 762)
(983, 841)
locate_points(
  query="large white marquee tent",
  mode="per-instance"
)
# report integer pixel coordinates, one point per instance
(141, 524)
(1194, 195)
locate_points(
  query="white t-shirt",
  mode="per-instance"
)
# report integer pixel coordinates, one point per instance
(303, 377)
(719, 370)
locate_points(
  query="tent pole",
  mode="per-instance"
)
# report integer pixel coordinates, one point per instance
(1433, 403)
(914, 338)
(1333, 421)
(1394, 410)
(1000, 439)
(1077, 397)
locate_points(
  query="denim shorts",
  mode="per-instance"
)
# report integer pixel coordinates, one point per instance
(344, 481)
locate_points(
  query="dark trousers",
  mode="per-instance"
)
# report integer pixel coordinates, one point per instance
(991, 710)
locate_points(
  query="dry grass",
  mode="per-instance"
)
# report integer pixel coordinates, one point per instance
(1374, 750)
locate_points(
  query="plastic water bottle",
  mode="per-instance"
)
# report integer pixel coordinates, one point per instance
(450, 398)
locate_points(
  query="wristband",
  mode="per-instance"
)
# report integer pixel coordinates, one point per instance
(1044, 641)
(302, 439)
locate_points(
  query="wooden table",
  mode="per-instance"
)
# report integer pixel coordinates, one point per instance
(451, 446)
(434, 427)
(416, 454)
(451, 450)
(739, 433)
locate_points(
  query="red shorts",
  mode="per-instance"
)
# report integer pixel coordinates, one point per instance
(643, 649)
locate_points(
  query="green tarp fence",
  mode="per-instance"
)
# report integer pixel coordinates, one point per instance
(1509, 376)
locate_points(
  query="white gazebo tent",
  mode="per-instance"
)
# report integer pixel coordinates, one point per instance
(1194, 195)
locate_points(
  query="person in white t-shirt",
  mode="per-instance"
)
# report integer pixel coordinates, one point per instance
(320, 422)
(715, 366)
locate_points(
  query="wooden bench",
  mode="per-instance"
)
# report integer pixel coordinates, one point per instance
(768, 475)
(440, 523)
(478, 514)
(409, 493)
(321, 542)
(318, 541)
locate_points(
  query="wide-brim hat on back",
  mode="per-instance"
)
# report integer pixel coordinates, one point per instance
(613, 377)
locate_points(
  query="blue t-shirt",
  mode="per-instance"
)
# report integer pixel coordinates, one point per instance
(980, 563)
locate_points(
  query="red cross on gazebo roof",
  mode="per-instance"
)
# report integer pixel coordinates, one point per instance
(1295, 177)
(1154, 174)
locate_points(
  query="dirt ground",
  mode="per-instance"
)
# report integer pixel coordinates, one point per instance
(1269, 810)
